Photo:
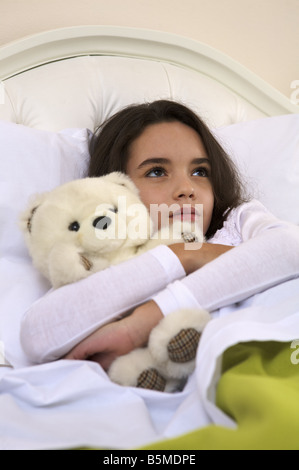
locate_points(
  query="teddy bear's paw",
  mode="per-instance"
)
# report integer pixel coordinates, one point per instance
(151, 379)
(187, 232)
(190, 237)
(137, 369)
(183, 346)
(154, 379)
(174, 341)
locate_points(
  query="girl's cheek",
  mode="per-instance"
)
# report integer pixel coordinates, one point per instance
(151, 196)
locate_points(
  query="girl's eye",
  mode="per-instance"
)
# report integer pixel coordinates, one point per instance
(202, 171)
(155, 172)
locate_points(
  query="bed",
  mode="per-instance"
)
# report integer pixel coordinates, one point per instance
(55, 89)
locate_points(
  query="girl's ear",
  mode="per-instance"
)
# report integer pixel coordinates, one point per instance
(123, 180)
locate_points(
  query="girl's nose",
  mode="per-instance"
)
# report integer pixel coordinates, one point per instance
(184, 190)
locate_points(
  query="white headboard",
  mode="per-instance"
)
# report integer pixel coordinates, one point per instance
(79, 76)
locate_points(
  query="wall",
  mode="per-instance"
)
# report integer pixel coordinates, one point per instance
(262, 35)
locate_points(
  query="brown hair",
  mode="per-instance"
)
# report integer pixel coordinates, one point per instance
(110, 147)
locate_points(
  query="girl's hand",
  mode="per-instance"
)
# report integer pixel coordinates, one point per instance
(119, 337)
(193, 259)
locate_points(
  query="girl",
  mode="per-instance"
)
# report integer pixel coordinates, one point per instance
(172, 157)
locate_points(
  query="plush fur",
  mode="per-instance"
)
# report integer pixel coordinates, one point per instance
(165, 373)
(65, 228)
(86, 225)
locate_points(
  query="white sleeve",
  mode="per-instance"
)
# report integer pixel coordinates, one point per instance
(268, 255)
(62, 318)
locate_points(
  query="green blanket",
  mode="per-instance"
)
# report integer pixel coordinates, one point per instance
(259, 389)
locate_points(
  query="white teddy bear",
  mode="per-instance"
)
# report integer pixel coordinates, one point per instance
(86, 225)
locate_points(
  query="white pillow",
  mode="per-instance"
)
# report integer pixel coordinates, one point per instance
(267, 153)
(31, 161)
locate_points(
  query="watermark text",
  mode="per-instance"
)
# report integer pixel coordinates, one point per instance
(295, 353)
(295, 93)
(160, 222)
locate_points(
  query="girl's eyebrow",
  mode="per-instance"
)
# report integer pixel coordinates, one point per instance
(165, 161)
(200, 161)
(153, 161)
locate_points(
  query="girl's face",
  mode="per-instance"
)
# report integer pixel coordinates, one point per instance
(169, 165)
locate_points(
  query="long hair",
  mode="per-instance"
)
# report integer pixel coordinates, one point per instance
(110, 148)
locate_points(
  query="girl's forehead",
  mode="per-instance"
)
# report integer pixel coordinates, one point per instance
(167, 140)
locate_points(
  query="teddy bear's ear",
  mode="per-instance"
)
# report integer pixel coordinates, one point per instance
(123, 180)
(26, 216)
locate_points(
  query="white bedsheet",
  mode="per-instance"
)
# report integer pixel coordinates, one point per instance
(67, 404)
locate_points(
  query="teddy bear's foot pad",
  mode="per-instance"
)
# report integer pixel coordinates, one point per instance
(151, 380)
(183, 346)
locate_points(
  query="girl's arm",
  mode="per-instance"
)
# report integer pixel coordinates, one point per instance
(58, 322)
(267, 256)
(63, 317)
(120, 337)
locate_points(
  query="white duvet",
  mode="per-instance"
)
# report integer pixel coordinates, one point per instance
(67, 404)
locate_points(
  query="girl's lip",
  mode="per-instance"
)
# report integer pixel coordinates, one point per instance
(188, 213)
(184, 211)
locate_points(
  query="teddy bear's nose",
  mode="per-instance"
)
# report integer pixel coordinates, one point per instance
(102, 222)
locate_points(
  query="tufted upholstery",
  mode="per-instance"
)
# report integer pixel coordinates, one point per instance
(83, 91)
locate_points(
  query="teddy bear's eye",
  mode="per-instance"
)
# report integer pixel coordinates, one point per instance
(74, 226)
(102, 222)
